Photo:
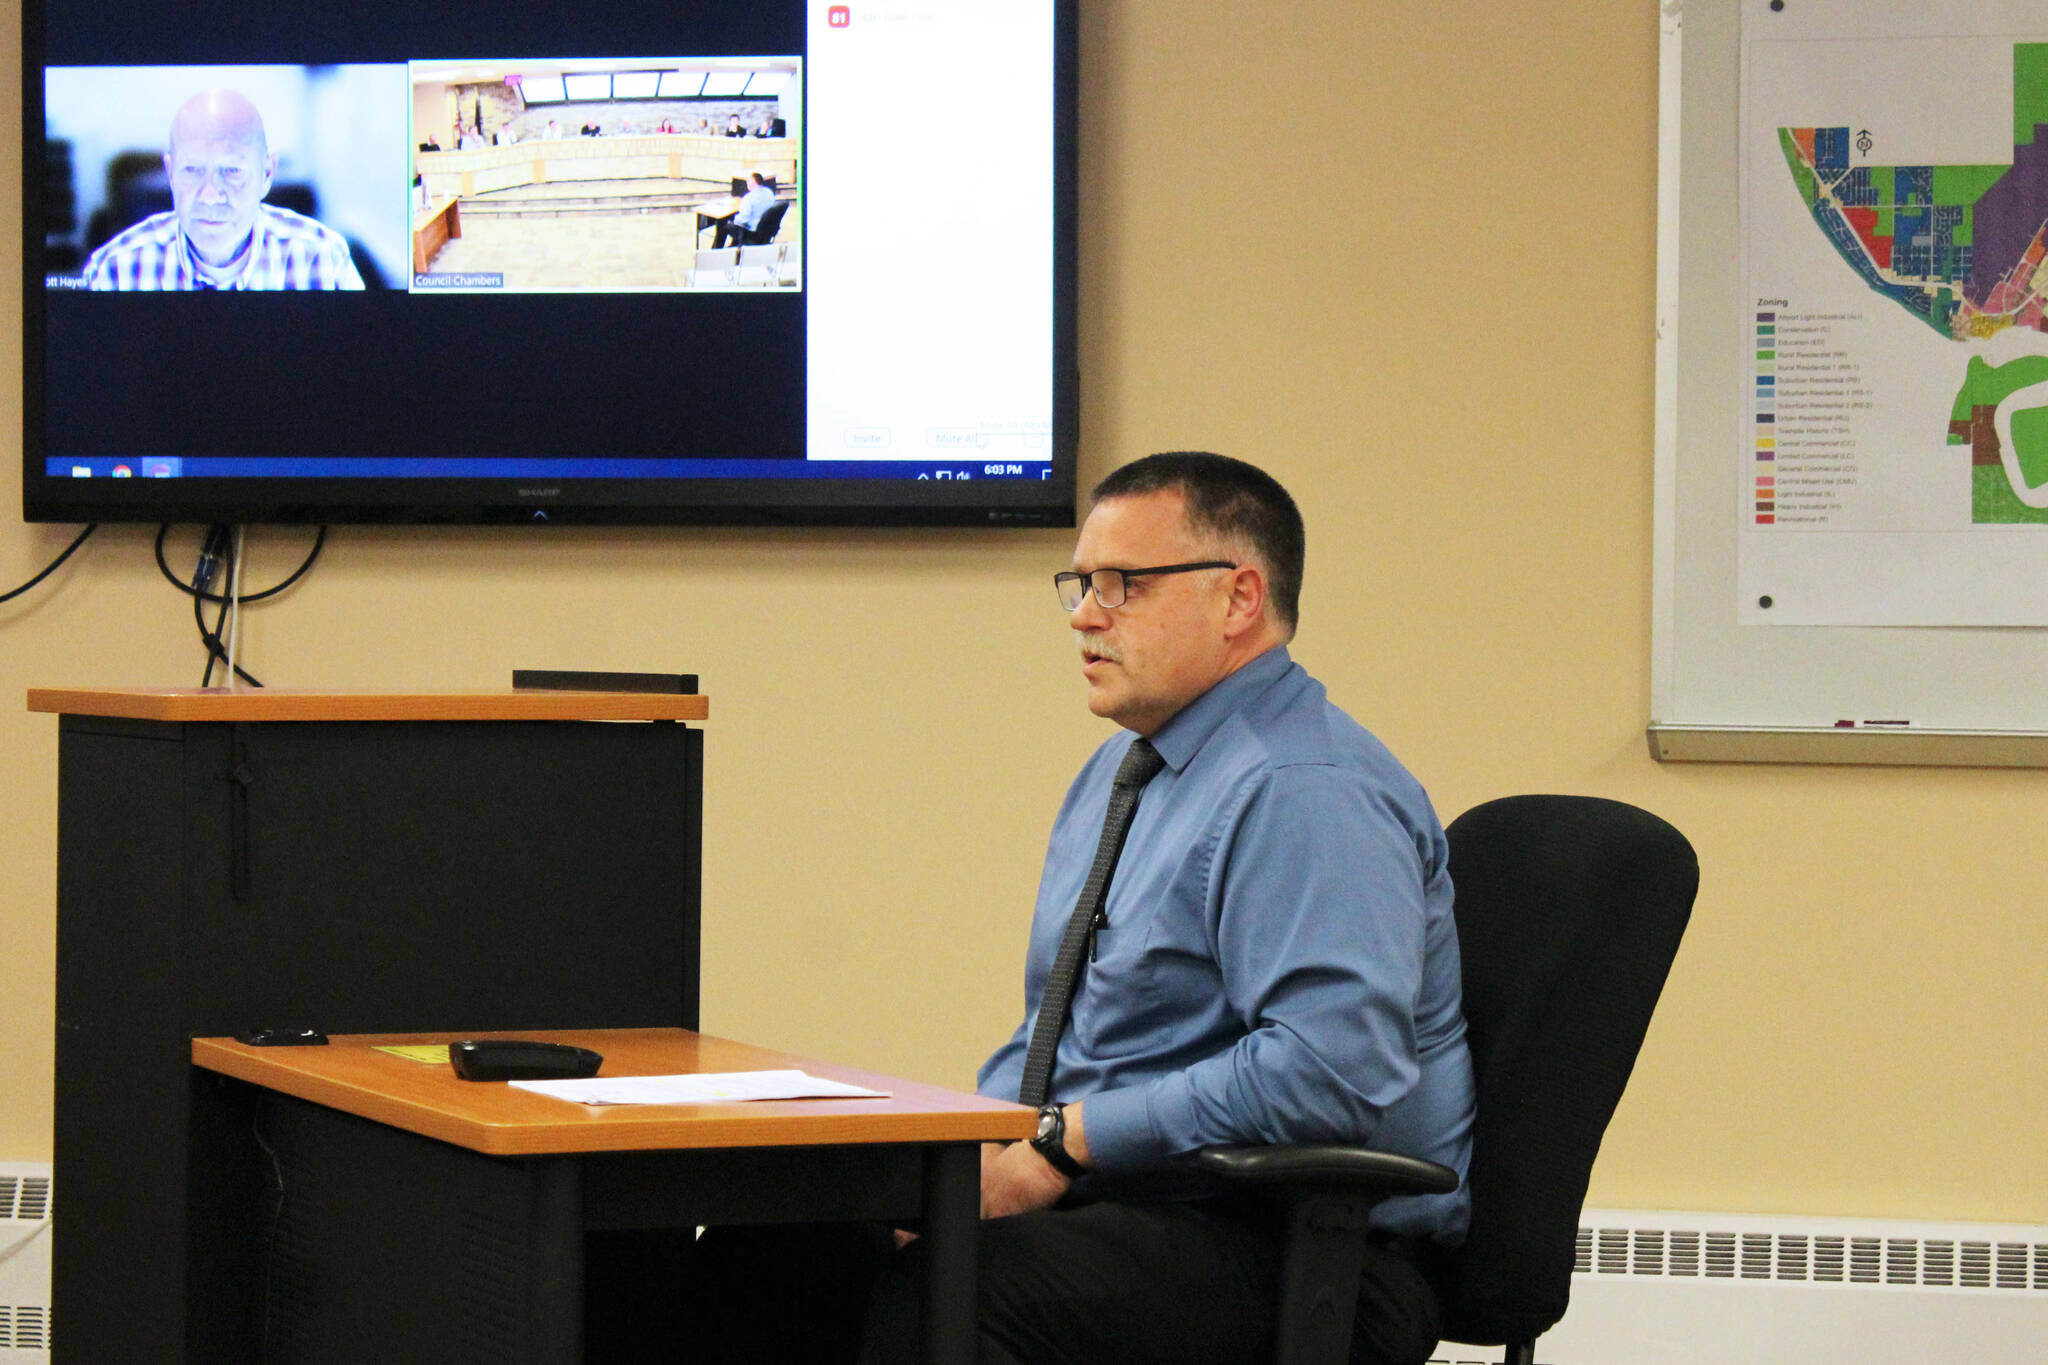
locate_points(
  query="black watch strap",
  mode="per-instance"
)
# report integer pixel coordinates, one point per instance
(1050, 1142)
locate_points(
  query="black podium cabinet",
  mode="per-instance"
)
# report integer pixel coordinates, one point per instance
(352, 863)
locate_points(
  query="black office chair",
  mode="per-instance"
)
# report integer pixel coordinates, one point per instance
(1569, 910)
(764, 231)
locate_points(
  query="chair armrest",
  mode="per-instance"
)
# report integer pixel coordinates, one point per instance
(1329, 1192)
(1383, 1174)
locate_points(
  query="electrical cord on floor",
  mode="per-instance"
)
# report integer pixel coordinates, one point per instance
(53, 565)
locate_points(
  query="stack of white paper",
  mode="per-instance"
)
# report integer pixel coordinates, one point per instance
(726, 1087)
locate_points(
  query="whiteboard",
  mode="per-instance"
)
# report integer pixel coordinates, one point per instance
(1723, 688)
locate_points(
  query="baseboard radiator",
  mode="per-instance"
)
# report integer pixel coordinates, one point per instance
(1649, 1288)
(1657, 1288)
(24, 1263)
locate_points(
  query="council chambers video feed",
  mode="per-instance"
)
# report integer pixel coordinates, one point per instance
(607, 175)
(225, 177)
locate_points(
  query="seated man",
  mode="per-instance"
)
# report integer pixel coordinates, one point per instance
(1243, 934)
(219, 234)
(746, 217)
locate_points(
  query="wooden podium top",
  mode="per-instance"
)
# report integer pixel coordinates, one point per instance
(353, 1076)
(282, 703)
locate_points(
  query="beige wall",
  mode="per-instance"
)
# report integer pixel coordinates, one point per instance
(432, 112)
(1420, 290)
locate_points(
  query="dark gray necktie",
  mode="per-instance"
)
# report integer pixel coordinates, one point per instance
(1140, 764)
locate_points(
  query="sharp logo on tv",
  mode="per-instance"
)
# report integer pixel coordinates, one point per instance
(430, 266)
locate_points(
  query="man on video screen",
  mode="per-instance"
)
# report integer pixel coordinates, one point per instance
(219, 234)
(747, 217)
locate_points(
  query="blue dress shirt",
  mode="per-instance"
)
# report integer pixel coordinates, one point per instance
(1280, 963)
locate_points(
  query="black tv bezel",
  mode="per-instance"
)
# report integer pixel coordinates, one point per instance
(597, 501)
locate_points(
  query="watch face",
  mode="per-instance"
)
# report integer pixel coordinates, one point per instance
(1046, 1120)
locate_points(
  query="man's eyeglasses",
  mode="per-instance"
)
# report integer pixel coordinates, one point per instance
(1111, 585)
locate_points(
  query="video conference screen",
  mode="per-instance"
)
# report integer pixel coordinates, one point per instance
(648, 262)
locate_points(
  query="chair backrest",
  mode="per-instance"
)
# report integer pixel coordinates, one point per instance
(771, 222)
(758, 264)
(1570, 910)
(715, 266)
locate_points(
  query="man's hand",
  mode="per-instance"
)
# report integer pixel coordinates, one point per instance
(1015, 1179)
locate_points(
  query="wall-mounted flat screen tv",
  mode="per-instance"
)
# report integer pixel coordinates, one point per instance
(771, 261)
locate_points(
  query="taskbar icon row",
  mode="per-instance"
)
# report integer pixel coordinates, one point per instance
(147, 467)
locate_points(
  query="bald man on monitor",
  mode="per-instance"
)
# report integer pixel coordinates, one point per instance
(219, 234)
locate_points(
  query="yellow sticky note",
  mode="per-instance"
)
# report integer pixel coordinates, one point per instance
(435, 1054)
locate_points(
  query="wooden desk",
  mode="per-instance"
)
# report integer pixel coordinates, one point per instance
(246, 704)
(405, 1186)
(714, 211)
(434, 230)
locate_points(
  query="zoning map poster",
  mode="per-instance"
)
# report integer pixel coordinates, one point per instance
(1894, 342)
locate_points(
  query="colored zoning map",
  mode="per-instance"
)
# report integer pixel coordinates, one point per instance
(2008, 440)
(1965, 250)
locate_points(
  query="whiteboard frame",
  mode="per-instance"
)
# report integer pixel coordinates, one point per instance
(1720, 691)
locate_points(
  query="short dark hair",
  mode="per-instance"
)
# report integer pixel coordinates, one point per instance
(1232, 499)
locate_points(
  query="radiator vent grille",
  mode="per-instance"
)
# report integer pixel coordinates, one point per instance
(24, 1198)
(24, 1261)
(1720, 1255)
(1828, 1262)
(25, 1329)
(1649, 1252)
(1822, 1258)
(1685, 1253)
(1793, 1256)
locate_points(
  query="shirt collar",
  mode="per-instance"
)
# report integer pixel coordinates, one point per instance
(1181, 738)
(236, 270)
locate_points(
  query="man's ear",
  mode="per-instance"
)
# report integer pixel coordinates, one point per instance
(1247, 606)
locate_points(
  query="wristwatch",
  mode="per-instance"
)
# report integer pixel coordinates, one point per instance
(1050, 1141)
